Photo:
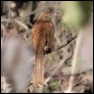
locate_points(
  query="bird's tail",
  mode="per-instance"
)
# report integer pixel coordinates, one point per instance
(39, 69)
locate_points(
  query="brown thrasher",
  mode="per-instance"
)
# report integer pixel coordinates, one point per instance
(43, 35)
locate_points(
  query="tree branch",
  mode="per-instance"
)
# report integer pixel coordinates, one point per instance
(61, 46)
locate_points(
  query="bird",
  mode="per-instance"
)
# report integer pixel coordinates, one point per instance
(42, 38)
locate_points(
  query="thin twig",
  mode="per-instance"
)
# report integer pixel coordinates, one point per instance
(21, 24)
(61, 46)
(65, 44)
(57, 68)
(16, 21)
(35, 11)
(29, 14)
(74, 62)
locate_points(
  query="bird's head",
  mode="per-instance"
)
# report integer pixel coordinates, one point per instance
(47, 15)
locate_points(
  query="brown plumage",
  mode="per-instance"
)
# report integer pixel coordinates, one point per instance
(43, 34)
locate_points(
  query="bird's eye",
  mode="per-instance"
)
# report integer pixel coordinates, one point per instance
(49, 16)
(46, 16)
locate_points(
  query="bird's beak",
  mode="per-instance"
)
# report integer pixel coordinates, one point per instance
(57, 14)
(54, 14)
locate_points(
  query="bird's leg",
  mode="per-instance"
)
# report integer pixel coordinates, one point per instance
(46, 48)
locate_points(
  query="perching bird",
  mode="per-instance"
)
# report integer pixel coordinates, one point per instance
(43, 35)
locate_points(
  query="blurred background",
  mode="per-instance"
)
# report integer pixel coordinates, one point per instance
(75, 21)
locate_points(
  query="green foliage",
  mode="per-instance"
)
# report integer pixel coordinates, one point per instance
(49, 57)
(53, 85)
(76, 13)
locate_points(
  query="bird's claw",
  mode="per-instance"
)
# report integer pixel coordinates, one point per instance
(46, 48)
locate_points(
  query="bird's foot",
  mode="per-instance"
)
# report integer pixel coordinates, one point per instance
(46, 48)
